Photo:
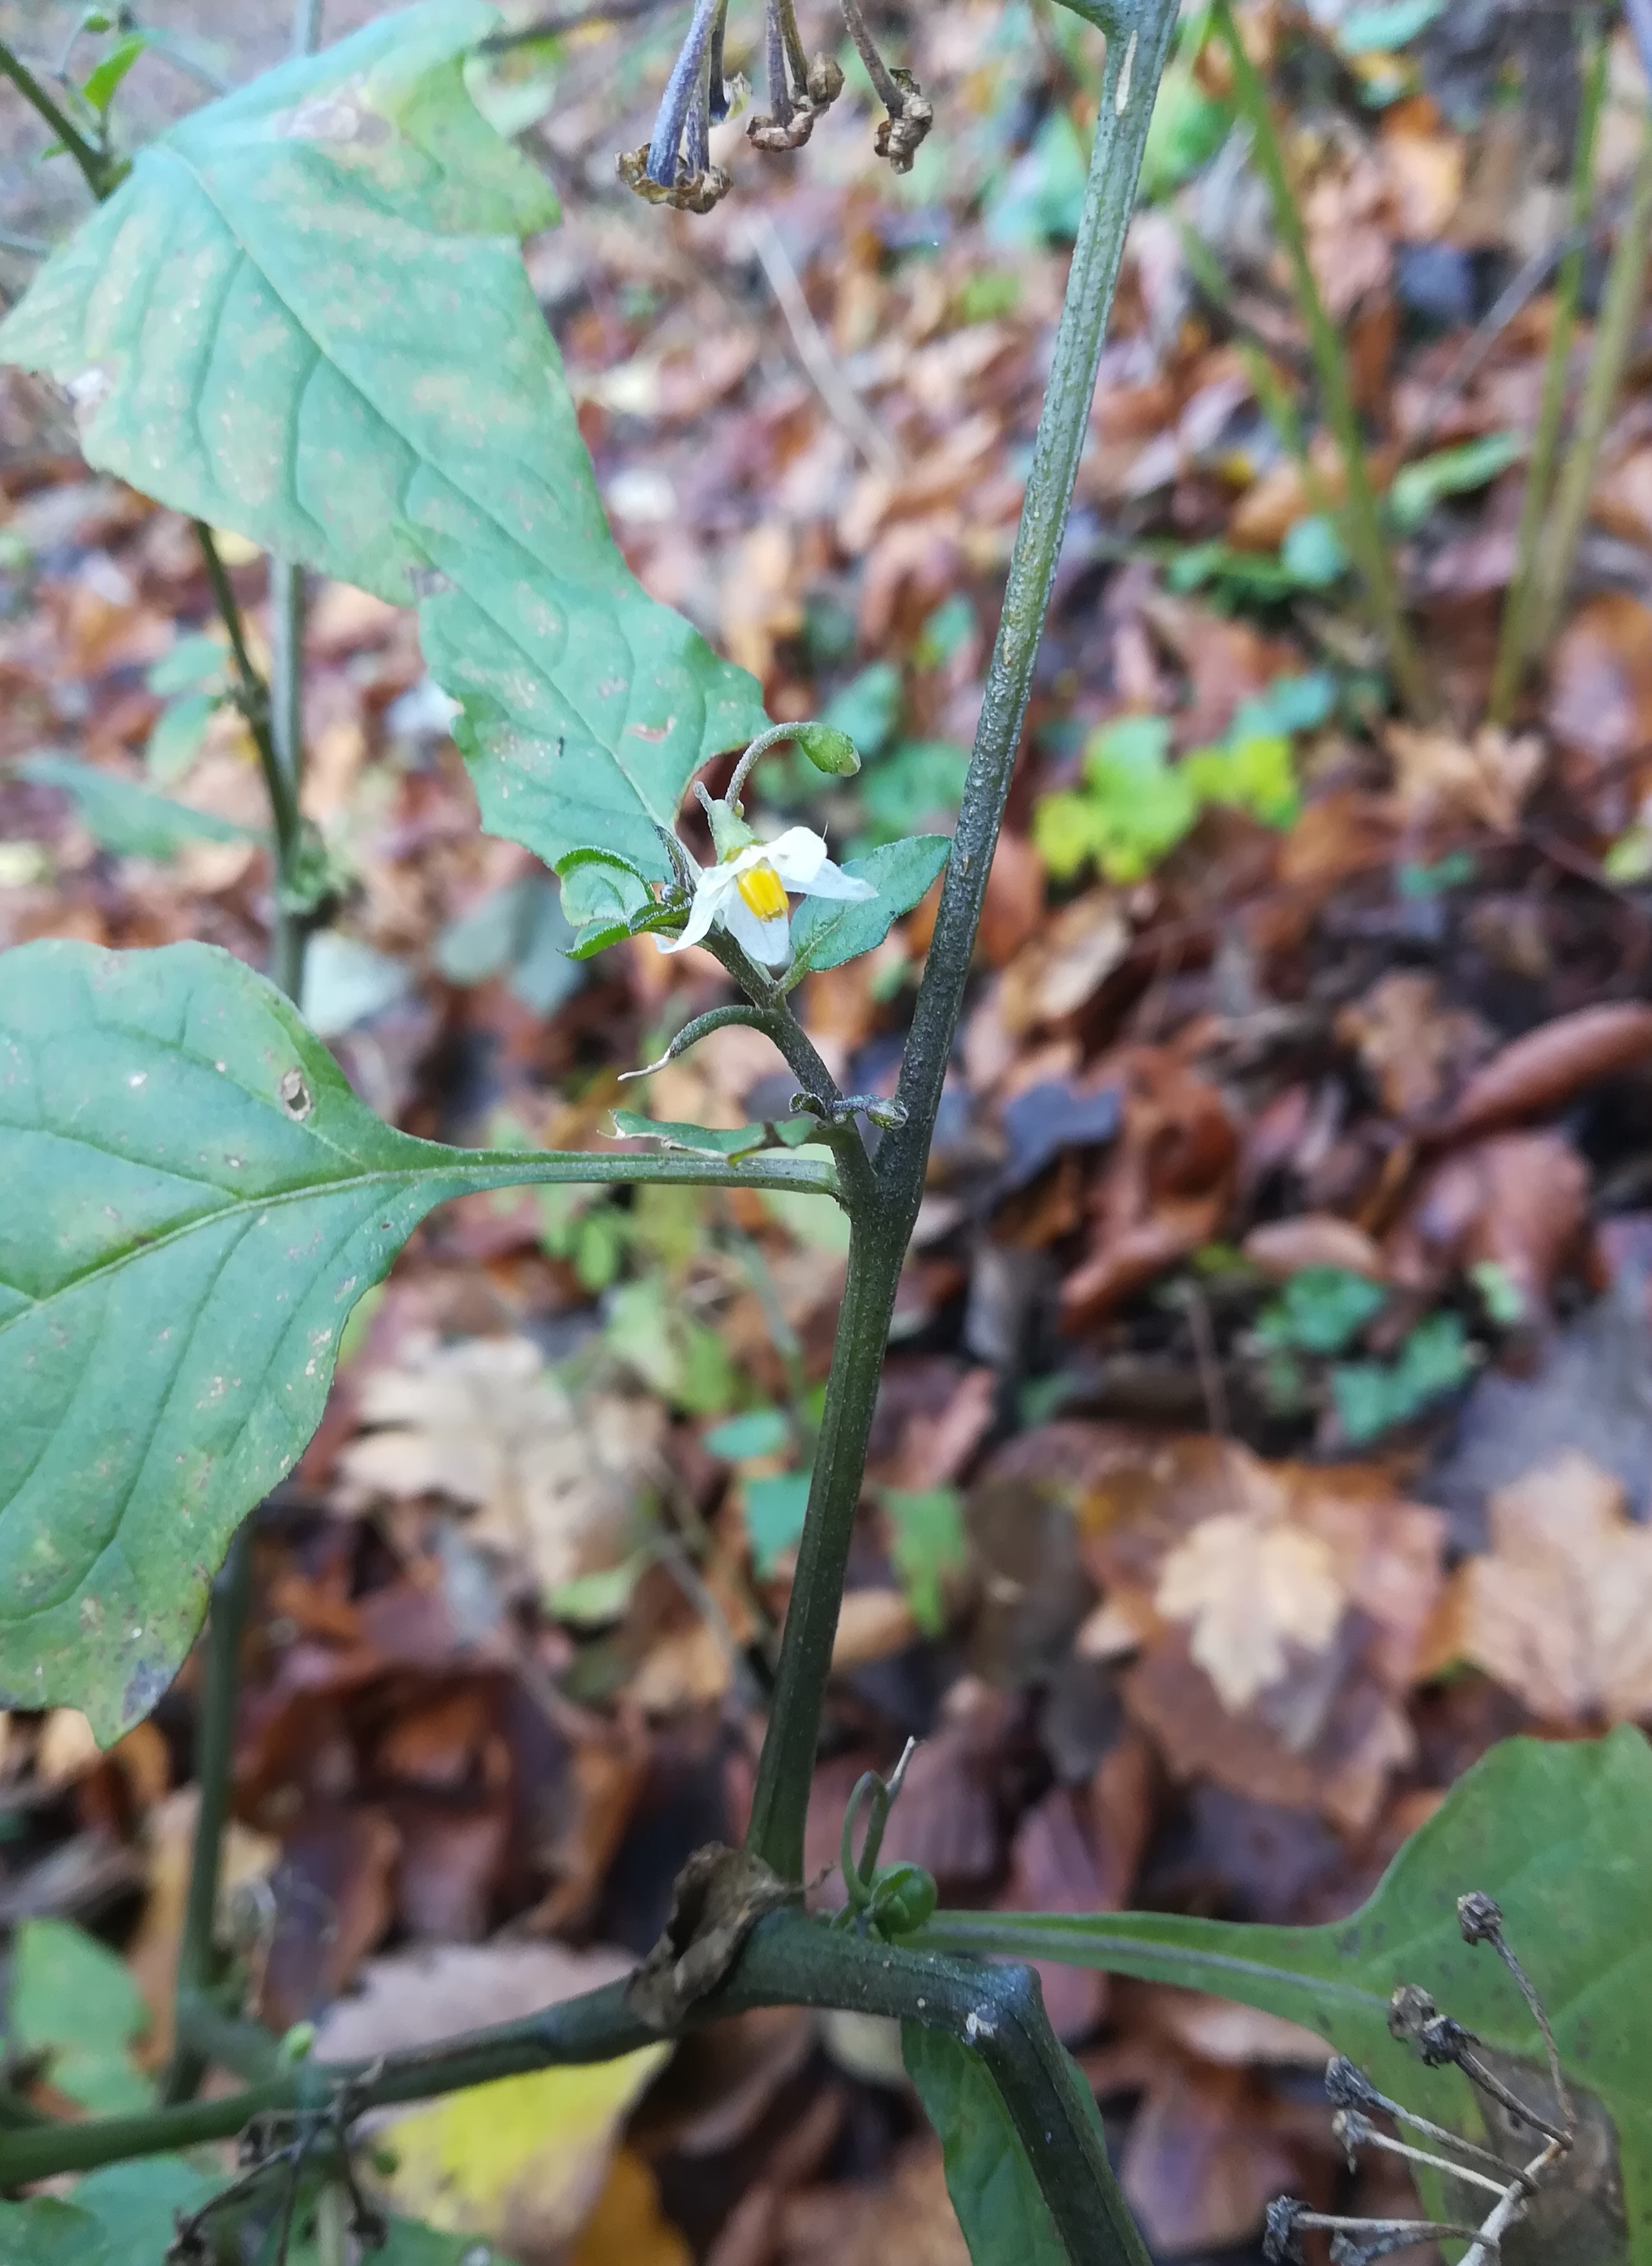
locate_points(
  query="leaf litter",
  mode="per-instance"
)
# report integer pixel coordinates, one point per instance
(1195, 1645)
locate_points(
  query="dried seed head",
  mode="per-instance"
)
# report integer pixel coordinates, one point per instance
(692, 191)
(1281, 2243)
(1413, 2017)
(902, 134)
(1479, 1917)
(825, 82)
(1348, 2084)
(782, 134)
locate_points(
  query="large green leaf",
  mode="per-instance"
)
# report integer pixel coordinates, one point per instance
(304, 315)
(1004, 2219)
(827, 931)
(193, 1200)
(74, 2000)
(1561, 1836)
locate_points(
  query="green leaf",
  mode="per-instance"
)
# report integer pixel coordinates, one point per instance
(45, 2232)
(105, 77)
(353, 371)
(918, 780)
(193, 664)
(124, 818)
(1313, 553)
(1450, 472)
(74, 2001)
(194, 1201)
(926, 1544)
(827, 931)
(759, 1432)
(1561, 1836)
(774, 1508)
(174, 741)
(1389, 25)
(120, 2216)
(1004, 2219)
(1372, 1397)
(867, 708)
(1321, 1310)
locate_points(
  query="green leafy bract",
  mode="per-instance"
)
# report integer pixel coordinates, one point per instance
(194, 1201)
(827, 931)
(1561, 1836)
(1004, 2219)
(303, 316)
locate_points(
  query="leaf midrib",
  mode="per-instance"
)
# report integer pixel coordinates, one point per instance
(171, 150)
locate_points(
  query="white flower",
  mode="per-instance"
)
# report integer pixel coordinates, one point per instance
(745, 892)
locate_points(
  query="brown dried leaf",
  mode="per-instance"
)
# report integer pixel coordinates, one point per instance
(1283, 1247)
(1544, 1069)
(1560, 1612)
(1437, 772)
(1517, 1200)
(552, 1478)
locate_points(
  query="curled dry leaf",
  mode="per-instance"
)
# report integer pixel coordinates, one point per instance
(1560, 1611)
(1066, 963)
(1546, 1068)
(1599, 705)
(555, 1480)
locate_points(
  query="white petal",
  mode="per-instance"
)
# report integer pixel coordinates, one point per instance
(709, 891)
(767, 940)
(832, 881)
(797, 856)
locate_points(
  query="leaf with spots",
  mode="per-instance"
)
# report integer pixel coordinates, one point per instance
(304, 315)
(193, 1200)
(1561, 1836)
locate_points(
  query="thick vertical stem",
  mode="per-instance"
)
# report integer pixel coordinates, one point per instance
(787, 1765)
(1361, 525)
(1513, 649)
(214, 1775)
(1614, 337)
(1137, 42)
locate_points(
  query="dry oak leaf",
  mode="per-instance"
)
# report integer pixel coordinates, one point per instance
(1560, 1611)
(553, 1479)
(1487, 778)
(1251, 1583)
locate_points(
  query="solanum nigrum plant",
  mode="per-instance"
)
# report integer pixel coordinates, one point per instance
(302, 314)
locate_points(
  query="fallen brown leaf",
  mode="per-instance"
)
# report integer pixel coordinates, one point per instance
(1542, 1070)
(1560, 1611)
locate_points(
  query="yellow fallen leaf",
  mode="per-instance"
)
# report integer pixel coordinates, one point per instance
(521, 2161)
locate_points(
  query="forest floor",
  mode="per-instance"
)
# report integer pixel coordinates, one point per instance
(1267, 1426)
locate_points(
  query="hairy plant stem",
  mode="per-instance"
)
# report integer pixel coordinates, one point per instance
(214, 1774)
(1359, 521)
(1138, 40)
(1514, 650)
(1614, 338)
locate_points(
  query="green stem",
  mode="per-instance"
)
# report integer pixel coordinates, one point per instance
(788, 1961)
(289, 927)
(786, 1769)
(1513, 649)
(91, 162)
(1143, 39)
(1614, 337)
(198, 1962)
(1138, 41)
(1361, 527)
